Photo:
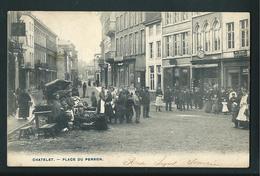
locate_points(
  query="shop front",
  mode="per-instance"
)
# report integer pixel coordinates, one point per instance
(126, 73)
(237, 73)
(177, 77)
(206, 76)
(176, 73)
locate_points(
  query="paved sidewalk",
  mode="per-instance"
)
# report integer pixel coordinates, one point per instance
(14, 123)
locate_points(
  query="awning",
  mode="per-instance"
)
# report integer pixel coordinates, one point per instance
(204, 65)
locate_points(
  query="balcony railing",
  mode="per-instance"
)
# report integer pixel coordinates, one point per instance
(110, 28)
(109, 56)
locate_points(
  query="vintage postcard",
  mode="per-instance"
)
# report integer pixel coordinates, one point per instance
(128, 89)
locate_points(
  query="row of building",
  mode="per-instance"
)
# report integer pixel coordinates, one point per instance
(36, 55)
(185, 49)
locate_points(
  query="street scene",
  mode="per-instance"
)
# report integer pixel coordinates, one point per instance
(132, 82)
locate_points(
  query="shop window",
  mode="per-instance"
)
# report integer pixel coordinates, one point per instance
(151, 77)
(230, 35)
(244, 33)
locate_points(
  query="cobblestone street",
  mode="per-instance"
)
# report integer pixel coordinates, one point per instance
(187, 131)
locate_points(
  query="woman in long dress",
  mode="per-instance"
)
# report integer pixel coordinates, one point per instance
(242, 115)
(24, 100)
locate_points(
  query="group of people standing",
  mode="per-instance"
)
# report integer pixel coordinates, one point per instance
(122, 104)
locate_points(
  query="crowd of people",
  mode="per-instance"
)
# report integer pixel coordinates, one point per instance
(120, 104)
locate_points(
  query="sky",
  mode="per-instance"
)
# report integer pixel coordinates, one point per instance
(83, 29)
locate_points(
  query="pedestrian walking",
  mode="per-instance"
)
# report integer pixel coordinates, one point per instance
(84, 87)
(215, 108)
(120, 107)
(234, 109)
(181, 99)
(101, 102)
(137, 106)
(24, 103)
(208, 102)
(168, 96)
(196, 97)
(146, 103)
(129, 108)
(158, 100)
(108, 107)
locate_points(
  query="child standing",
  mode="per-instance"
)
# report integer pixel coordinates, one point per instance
(224, 107)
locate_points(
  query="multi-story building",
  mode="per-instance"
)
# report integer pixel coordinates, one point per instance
(153, 30)
(40, 54)
(129, 63)
(45, 53)
(220, 55)
(176, 49)
(207, 48)
(67, 61)
(97, 60)
(108, 49)
(14, 60)
(236, 50)
(27, 72)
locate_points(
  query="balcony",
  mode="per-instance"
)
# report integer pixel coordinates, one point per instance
(109, 56)
(27, 65)
(101, 61)
(110, 28)
(41, 66)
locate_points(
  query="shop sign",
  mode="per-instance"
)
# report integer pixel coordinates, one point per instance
(184, 70)
(245, 70)
(241, 53)
(18, 29)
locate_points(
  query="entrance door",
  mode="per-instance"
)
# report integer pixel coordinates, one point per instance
(234, 80)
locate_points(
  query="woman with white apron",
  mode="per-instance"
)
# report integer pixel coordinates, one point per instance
(242, 116)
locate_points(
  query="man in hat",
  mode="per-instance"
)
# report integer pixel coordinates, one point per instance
(146, 103)
(168, 99)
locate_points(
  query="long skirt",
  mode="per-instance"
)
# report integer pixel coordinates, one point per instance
(208, 108)
(158, 101)
(241, 114)
(24, 111)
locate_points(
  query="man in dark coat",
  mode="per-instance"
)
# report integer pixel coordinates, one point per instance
(24, 100)
(168, 99)
(146, 103)
(84, 89)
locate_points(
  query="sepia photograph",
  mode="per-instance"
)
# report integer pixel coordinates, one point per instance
(128, 89)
